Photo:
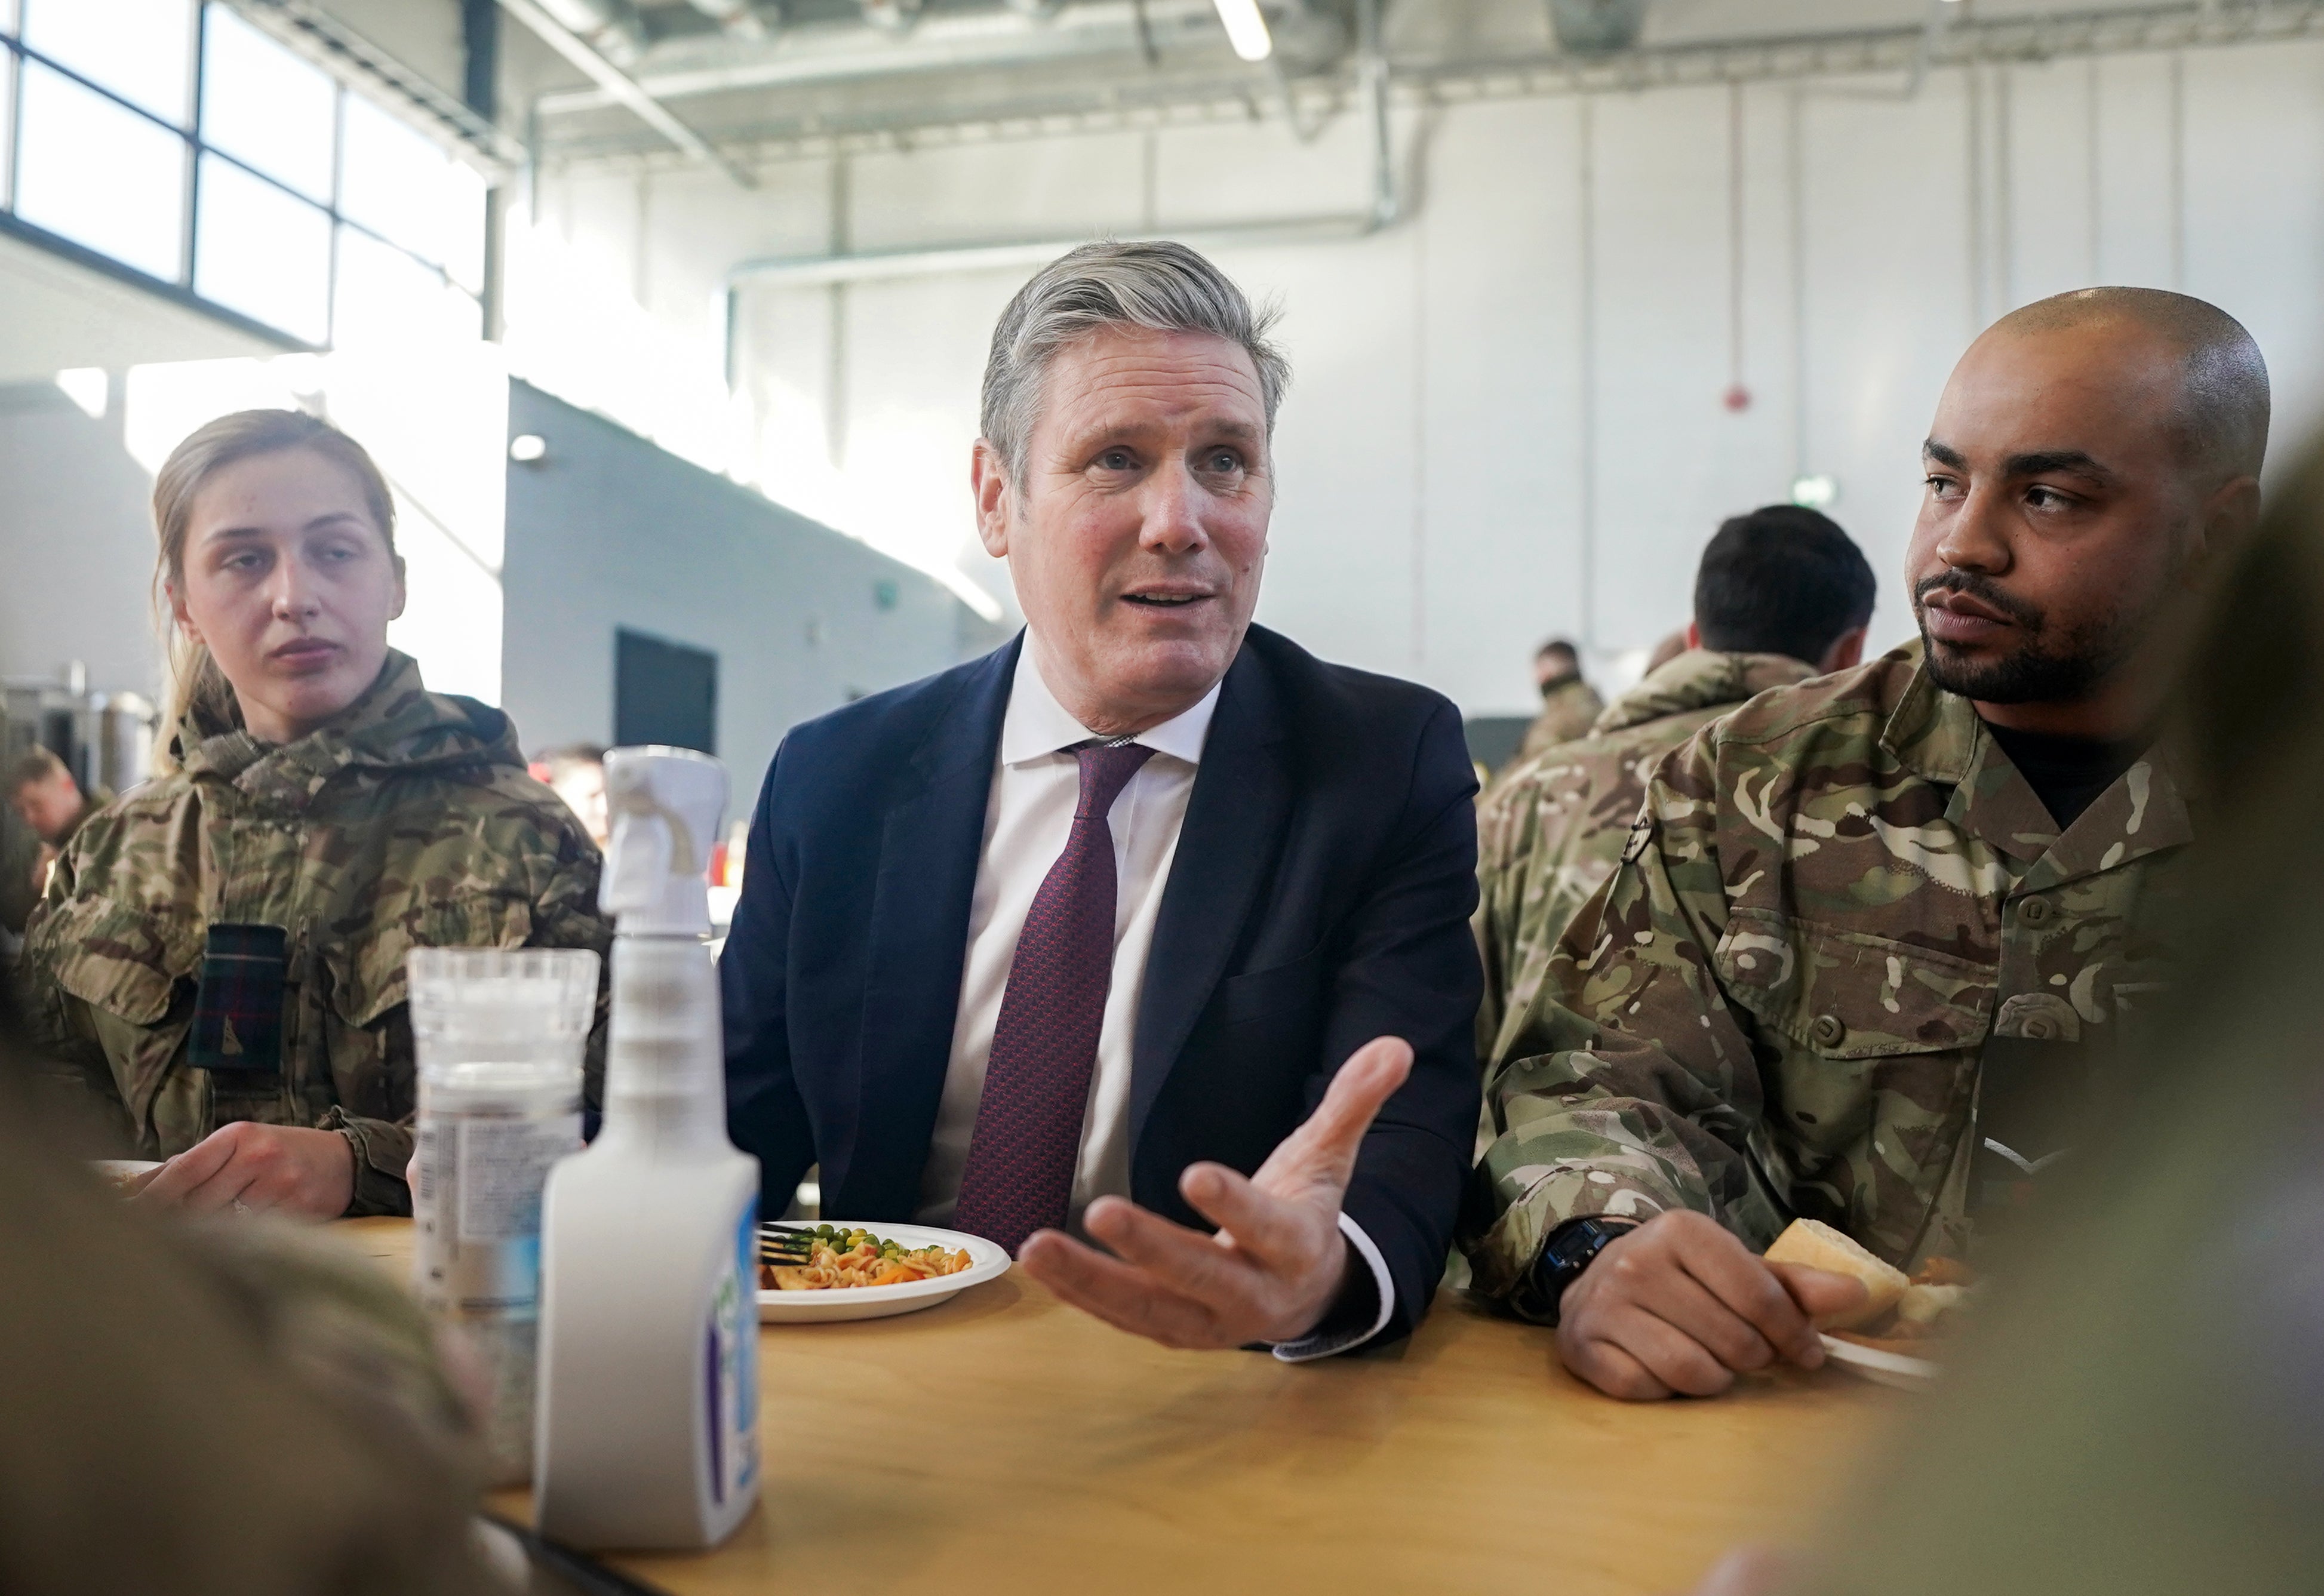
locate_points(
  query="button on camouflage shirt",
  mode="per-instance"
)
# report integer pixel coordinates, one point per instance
(1776, 1006)
(1549, 833)
(406, 822)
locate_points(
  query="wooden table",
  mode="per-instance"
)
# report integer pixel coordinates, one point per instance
(1005, 1442)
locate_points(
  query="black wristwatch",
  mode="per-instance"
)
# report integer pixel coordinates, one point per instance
(1567, 1253)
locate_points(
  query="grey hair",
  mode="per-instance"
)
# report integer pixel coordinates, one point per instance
(1147, 283)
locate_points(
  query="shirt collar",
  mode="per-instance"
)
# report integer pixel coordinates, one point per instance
(1036, 724)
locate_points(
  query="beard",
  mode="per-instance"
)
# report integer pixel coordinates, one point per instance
(2048, 666)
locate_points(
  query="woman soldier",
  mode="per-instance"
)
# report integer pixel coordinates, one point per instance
(220, 955)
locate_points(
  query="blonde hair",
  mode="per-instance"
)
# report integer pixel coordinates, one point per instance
(196, 686)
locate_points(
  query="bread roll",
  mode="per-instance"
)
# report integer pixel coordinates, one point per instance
(1818, 1246)
(1925, 1304)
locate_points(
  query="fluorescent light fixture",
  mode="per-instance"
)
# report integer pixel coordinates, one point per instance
(1814, 493)
(1246, 29)
(86, 387)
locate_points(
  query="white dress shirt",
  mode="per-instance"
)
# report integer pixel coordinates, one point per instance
(1029, 814)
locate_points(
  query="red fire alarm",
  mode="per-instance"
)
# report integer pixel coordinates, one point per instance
(1737, 398)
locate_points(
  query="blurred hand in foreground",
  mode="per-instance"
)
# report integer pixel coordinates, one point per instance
(1681, 1306)
(280, 1168)
(1279, 1261)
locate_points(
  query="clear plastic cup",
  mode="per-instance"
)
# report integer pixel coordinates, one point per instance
(499, 1034)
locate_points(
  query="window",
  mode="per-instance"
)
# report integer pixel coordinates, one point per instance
(95, 171)
(184, 141)
(264, 252)
(386, 297)
(141, 50)
(265, 107)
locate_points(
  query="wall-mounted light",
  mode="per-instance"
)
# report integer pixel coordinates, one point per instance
(528, 448)
(1814, 493)
(1246, 29)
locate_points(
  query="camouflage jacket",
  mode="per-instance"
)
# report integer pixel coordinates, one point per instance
(1775, 1007)
(406, 822)
(1567, 709)
(1552, 830)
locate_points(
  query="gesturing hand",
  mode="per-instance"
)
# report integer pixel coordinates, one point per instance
(1680, 1305)
(1279, 1260)
(308, 1173)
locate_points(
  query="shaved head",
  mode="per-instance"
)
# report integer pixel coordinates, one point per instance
(2223, 395)
(2090, 455)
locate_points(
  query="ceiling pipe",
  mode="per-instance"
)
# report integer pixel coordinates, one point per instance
(1382, 210)
(619, 84)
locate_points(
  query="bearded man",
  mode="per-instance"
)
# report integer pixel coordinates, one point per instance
(1874, 937)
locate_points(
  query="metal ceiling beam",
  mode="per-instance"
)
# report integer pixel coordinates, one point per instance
(625, 89)
(1380, 210)
(1079, 108)
(1953, 42)
(832, 53)
(346, 55)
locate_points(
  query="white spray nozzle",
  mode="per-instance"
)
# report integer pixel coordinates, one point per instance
(666, 804)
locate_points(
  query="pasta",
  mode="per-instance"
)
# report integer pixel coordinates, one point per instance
(839, 1259)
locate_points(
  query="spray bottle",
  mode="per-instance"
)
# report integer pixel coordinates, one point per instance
(648, 1406)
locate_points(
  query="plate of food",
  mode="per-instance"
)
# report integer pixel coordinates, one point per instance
(1896, 1336)
(822, 1273)
(122, 1174)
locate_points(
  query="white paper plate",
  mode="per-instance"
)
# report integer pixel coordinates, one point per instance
(1885, 1368)
(880, 1302)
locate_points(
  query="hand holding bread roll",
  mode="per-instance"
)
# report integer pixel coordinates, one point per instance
(1813, 1244)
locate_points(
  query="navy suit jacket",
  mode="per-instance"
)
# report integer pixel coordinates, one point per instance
(1320, 896)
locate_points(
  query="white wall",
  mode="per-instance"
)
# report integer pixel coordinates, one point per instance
(76, 545)
(607, 531)
(1447, 476)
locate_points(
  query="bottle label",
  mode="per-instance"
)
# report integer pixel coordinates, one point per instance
(731, 1367)
(476, 1203)
(475, 1197)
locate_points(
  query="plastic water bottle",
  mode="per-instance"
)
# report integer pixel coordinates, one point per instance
(499, 1034)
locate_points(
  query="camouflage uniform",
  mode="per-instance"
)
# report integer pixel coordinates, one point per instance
(1553, 828)
(1567, 709)
(20, 853)
(407, 822)
(1832, 898)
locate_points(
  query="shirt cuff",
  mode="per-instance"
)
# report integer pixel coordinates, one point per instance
(1326, 1342)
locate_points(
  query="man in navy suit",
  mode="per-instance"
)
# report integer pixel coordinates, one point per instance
(1149, 928)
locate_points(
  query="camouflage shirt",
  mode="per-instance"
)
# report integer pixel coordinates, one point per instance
(1567, 709)
(406, 822)
(1776, 1006)
(1553, 828)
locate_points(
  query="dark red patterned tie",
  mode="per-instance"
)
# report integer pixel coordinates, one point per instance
(1019, 1174)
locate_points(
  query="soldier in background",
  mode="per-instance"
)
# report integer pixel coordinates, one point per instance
(1781, 594)
(219, 962)
(51, 805)
(23, 871)
(1872, 934)
(1568, 703)
(575, 772)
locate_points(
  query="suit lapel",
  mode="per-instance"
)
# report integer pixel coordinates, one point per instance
(1234, 821)
(930, 845)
